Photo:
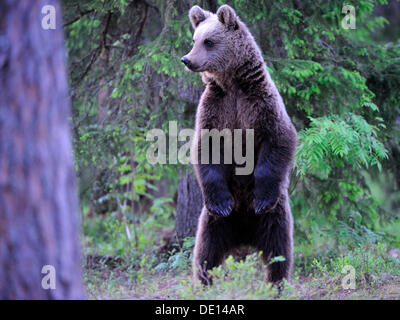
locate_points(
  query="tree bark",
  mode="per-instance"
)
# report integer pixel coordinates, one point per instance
(39, 213)
(189, 205)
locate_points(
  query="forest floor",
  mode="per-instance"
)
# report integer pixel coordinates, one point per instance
(119, 267)
(109, 284)
(236, 280)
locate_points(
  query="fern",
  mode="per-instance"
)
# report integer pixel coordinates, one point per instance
(338, 141)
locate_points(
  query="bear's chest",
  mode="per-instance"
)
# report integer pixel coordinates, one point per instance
(231, 111)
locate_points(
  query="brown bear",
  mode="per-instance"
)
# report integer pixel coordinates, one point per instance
(240, 210)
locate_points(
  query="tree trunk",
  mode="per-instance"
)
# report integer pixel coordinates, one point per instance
(189, 205)
(39, 213)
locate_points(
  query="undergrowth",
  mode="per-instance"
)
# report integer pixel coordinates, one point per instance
(125, 270)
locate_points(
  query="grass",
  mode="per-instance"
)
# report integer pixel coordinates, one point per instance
(118, 268)
(233, 281)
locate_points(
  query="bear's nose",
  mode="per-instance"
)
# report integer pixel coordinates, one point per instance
(186, 61)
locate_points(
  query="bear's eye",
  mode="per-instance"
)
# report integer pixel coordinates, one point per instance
(208, 43)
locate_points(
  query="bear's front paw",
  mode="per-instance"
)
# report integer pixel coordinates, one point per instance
(220, 205)
(265, 204)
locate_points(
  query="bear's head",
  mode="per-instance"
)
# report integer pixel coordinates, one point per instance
(217, 40)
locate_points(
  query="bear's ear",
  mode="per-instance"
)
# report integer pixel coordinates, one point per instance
(227, 16)
(197, 15)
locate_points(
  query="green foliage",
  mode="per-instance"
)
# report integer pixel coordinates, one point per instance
(179, 260)
(372, 265)
(374, 269)
(234, 280)
(332, 142)
(368, 262)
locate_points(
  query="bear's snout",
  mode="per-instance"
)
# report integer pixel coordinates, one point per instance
(186, 62)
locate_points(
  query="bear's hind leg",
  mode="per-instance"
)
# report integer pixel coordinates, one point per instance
(213, 242)
(275, 238)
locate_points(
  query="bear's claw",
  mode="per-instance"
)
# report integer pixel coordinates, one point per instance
(221, 209)
(261, 206)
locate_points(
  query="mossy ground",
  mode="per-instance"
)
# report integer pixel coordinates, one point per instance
(118, 268)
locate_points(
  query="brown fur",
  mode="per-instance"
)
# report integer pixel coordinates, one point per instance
(248, 210)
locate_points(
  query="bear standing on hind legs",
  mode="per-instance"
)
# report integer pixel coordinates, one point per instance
(240, 210)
